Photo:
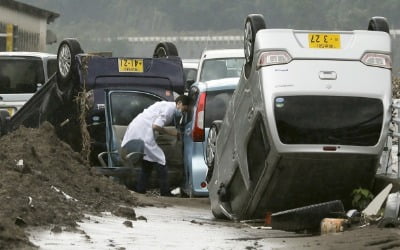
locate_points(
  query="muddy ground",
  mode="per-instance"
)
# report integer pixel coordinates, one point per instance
(44, 182)
(189, 224)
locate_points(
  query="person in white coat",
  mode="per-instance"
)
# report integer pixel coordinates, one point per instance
(143, 127)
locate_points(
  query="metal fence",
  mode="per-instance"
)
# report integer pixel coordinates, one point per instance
(23, 40)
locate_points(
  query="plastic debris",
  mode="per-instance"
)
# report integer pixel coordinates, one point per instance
(333, 225)
(373, 207)
(176, 191)
(353, 216)
(65, 195)
(391, 215)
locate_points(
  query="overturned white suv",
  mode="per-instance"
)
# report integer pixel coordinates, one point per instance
(307, 122)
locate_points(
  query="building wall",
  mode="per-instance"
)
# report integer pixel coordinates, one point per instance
(32, 29)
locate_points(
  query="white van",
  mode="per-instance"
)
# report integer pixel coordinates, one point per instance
(220, 63)
(308, 120)
(21, 74)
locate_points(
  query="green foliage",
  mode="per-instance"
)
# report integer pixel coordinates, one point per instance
(361, 198)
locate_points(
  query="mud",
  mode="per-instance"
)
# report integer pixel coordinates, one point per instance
(44, 182)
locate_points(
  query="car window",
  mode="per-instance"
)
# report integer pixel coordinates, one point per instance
(336, 120)
(213, 69)
(20, 75)
(51, 67)
(216, 105)
(190, 74)
(126, 106)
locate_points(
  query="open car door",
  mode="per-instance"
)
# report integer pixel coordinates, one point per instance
(121, 107)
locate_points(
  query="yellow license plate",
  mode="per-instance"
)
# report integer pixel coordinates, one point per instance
(130, 65)
(324, 41)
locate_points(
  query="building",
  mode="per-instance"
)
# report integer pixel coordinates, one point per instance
(28, 25)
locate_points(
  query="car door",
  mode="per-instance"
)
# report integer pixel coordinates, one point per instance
(121, 107)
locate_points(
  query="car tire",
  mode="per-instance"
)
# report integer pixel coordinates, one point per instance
(211, 142)
(165, 49)
(378, 23)
(253, 24)
(3, 122)
(66, 62)
(308, 217)
(211, 148)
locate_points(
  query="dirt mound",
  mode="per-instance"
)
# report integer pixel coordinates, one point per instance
(44, 182)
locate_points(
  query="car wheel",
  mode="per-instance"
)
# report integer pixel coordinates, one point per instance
(66, 61)
(165, 49)
(211, 142)
(308, 217)
(211, 148)
(378, 23)
(253, 24)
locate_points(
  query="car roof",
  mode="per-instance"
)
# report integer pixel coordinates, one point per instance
(222, 53)
(27, 53)
(219, 84)
(190, 63)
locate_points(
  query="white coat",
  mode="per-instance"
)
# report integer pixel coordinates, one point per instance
(141, 127)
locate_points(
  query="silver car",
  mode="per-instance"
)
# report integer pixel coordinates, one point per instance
(307, 122)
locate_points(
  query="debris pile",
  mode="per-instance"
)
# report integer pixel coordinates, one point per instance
(329, 217)
(44, 182)
(396, 87)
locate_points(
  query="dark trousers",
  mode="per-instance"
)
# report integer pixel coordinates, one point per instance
(145, 174)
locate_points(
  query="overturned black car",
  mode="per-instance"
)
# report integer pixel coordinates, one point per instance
(93, 97)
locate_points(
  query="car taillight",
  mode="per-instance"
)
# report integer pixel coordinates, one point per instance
(377, 60)
(268, 58)
(198, 124)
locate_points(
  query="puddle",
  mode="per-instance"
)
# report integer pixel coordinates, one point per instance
(165, 228)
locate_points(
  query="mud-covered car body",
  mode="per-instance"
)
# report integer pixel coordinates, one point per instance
(74, 100)
(306, 124)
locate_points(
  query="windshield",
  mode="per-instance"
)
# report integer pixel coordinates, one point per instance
(328, 120)
(20, 75)
(213, 69)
